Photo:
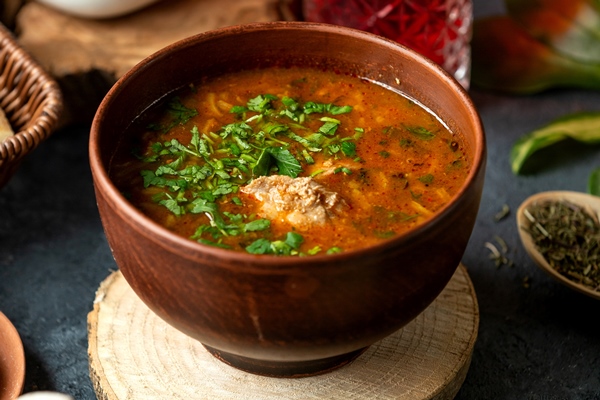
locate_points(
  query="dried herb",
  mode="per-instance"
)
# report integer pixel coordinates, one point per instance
(500, 215)
(569, 239)
(498, 255)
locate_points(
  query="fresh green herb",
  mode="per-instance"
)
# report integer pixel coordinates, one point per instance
(334, 250)
(582, 127)
(384, 234)
(288, 246)
(345, 170)
(196, 176)
(426, 179)
(179, 113)
(257, 225)
(285, 162)
(312, 107)
(404, 142)
(261, 103)
(420, 132)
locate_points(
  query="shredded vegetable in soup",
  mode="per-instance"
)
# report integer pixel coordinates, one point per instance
(289, 161)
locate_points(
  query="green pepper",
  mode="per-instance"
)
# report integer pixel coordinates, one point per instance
(583, 127)
(505, 57)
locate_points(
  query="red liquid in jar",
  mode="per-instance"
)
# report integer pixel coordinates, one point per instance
(430, 27)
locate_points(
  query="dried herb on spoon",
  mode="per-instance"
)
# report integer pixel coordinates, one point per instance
(569, 239)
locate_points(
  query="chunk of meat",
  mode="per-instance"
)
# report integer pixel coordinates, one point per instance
(301, 201)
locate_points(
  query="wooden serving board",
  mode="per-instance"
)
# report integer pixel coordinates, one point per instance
(134, 354)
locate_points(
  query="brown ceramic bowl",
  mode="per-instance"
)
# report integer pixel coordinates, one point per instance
(285, 316)
(12, 361)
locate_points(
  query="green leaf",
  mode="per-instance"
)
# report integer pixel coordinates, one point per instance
(349, 148)
(257, 225)
(261, 103)
(263, 165)
(238, 110)
(294, 240)
(214, 244)
(345, 170)
(311, 107)
(426, 179)
(201, 206)
(180, 113)
(420, 132)
(594, 182)
(310, 145)
(286, 162)
(334, 250)
(329, 128)
(172, 205)
(583, 127)
(259, 246)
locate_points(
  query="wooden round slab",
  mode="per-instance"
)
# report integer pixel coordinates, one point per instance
(136, 355)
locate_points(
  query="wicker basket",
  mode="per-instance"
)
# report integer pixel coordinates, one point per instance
(31, 100)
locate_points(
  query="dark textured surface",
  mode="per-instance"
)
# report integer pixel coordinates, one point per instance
(536, 342)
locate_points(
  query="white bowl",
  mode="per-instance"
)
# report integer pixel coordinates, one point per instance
(97, 8)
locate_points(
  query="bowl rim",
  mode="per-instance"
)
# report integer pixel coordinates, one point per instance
(141, 222)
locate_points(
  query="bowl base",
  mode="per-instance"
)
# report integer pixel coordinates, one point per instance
(285, 369)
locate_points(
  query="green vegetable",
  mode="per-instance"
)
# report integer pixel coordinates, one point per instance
(506, 58)
(583, 127)
(288, 246)
(285, 162)
(594, 182)
(571, 27)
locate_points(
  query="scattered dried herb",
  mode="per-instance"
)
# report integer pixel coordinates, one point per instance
(568, 237)
(498, 255)
(500, 215)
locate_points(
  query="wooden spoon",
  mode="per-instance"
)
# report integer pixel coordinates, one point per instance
(588, 202)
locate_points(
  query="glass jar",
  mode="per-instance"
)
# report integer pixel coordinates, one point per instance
(437, 29)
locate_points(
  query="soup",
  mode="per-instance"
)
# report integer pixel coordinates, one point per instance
(289, 161)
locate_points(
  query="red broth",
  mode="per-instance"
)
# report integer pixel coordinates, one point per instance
(290, 161)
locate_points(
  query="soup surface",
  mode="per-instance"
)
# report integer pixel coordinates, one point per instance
(291, 161)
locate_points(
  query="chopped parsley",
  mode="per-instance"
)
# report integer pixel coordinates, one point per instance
(269, 136)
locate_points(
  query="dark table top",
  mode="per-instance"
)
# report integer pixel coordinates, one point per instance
(536, 341)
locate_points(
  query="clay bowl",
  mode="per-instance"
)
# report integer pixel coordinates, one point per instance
(12, 361)
(285, 316)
